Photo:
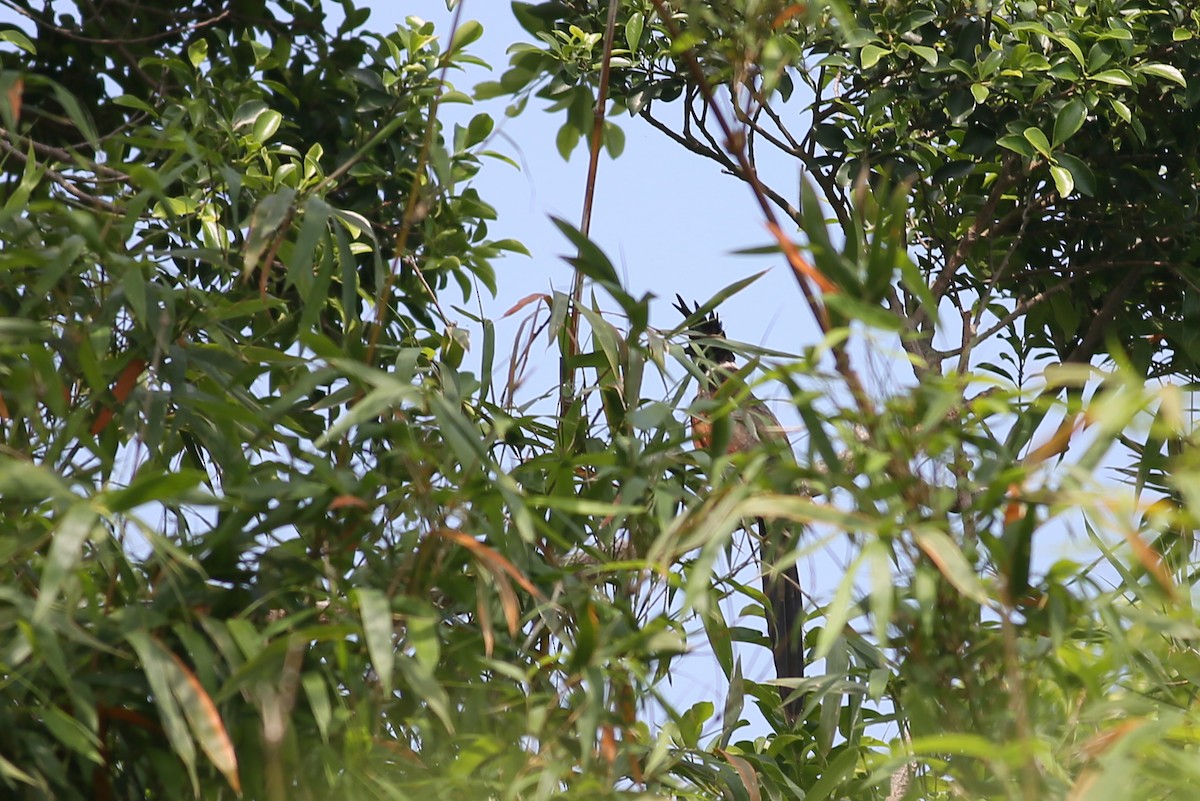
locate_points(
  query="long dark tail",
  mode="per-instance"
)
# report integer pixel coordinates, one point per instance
(785, 617)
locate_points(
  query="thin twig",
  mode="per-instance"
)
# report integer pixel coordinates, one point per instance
(62, 155)
(63, 181)
(68, 33)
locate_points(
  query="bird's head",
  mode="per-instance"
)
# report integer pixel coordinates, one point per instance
(706, 338)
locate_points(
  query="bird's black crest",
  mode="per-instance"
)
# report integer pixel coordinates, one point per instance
(702, 332)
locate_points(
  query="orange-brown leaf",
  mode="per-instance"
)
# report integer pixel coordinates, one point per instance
(525, 301)
(608, 744)
(783, 16)
(492, 559)
(485, 625)
(745, 772)
(1105, 740)
(126, 381)
(1015, 510)
(207, 726)
(800, 265)
(16, 90)
(343, 501)
(1152, 561)
(1058, 442)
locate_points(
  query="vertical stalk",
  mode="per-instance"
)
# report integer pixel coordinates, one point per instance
(566, 373)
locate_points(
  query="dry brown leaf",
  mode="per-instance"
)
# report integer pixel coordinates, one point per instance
(213, 737)
(343, 501)
(608, 744)
(799, 264)
(16, 91)
(492, 559)
(525, 301)
(745, 771)
(782, 17)
(1152, 561)
(126, 381)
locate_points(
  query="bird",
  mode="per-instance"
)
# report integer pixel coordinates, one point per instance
(751, 424)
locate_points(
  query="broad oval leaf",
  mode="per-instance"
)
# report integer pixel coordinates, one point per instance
(1070, 119)
(1163, 71)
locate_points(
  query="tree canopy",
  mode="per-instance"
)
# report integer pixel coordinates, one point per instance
(274, 528)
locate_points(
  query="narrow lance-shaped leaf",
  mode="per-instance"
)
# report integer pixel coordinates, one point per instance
(158, 666)
(376, 615)
(205, 721)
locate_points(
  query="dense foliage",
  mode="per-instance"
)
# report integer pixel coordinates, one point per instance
(269, 534)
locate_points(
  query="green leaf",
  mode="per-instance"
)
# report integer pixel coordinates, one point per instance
(266, 220)
(478, 129)
(535, 18)
(157, 666)
(318, 701)
(76, 114)
(1070, 119)
(422, 634)
(248, 113)
(717, 631)
(1163, 71)
(1062, 180)
(466, 33)
(30, 483)
(928, 53)
(1081, 173)
(512, 245)
(633, 30)
(735, 699)
(583, 506)
(73, 734)
(1074, 48)
(1038, 139)
(376, 615)
(851, 308)
(13, 36)
(1017, 144)
(198, 52)
(590, 260)
(265, 126)
(427, 689)
(11, 771)
(839, 611)
(1122, 110)
(1114, 77)
(727, 292)
(691, 723)
(66, 548)
(566, 140)
(614, 139)
(826, 256)
(834, 775)
(371, 406)
(314, 226)
(949, 559)
(870, 55)
(153, 487)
